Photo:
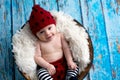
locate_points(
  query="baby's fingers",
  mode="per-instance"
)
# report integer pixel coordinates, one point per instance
(52, 72)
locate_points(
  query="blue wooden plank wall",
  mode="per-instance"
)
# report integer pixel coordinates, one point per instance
(101, 18)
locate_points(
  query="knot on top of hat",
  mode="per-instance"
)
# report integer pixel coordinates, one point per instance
(39, 19)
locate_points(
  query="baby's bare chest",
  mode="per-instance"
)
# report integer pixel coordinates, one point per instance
(52, 47)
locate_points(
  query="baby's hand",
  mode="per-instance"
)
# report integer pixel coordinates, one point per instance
(51, 69)
(72, 65)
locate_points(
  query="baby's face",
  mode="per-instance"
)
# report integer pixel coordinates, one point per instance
(47, 33)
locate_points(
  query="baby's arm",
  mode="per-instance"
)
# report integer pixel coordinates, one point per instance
(42, 62)
(67, 53)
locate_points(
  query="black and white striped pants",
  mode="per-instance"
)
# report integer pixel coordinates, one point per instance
(43, 74)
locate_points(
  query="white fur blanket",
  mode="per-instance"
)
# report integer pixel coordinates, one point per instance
(23, 44)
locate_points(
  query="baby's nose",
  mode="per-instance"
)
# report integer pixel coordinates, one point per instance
(47, 32)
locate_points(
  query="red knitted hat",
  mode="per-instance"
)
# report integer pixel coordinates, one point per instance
(39, 19)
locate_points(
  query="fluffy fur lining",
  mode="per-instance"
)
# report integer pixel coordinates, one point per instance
(23, 44)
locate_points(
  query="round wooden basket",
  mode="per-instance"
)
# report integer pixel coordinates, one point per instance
(85, 72)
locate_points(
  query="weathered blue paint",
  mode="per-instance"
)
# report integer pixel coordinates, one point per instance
(6, 59)
(48, 4)
(71, 7)
(93, 19)
(20, 12)
(100, 17)
(112, 20)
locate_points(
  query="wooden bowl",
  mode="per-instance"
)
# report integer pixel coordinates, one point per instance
(86, 71)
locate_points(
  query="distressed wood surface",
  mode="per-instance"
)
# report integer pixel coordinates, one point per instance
(6, 58)
(101, 18)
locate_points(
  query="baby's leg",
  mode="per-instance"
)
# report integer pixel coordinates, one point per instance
(43, 74)
(72, 74)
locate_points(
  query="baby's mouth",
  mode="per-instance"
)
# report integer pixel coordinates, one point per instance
(50, 37)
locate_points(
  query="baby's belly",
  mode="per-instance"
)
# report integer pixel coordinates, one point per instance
(51, 57)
